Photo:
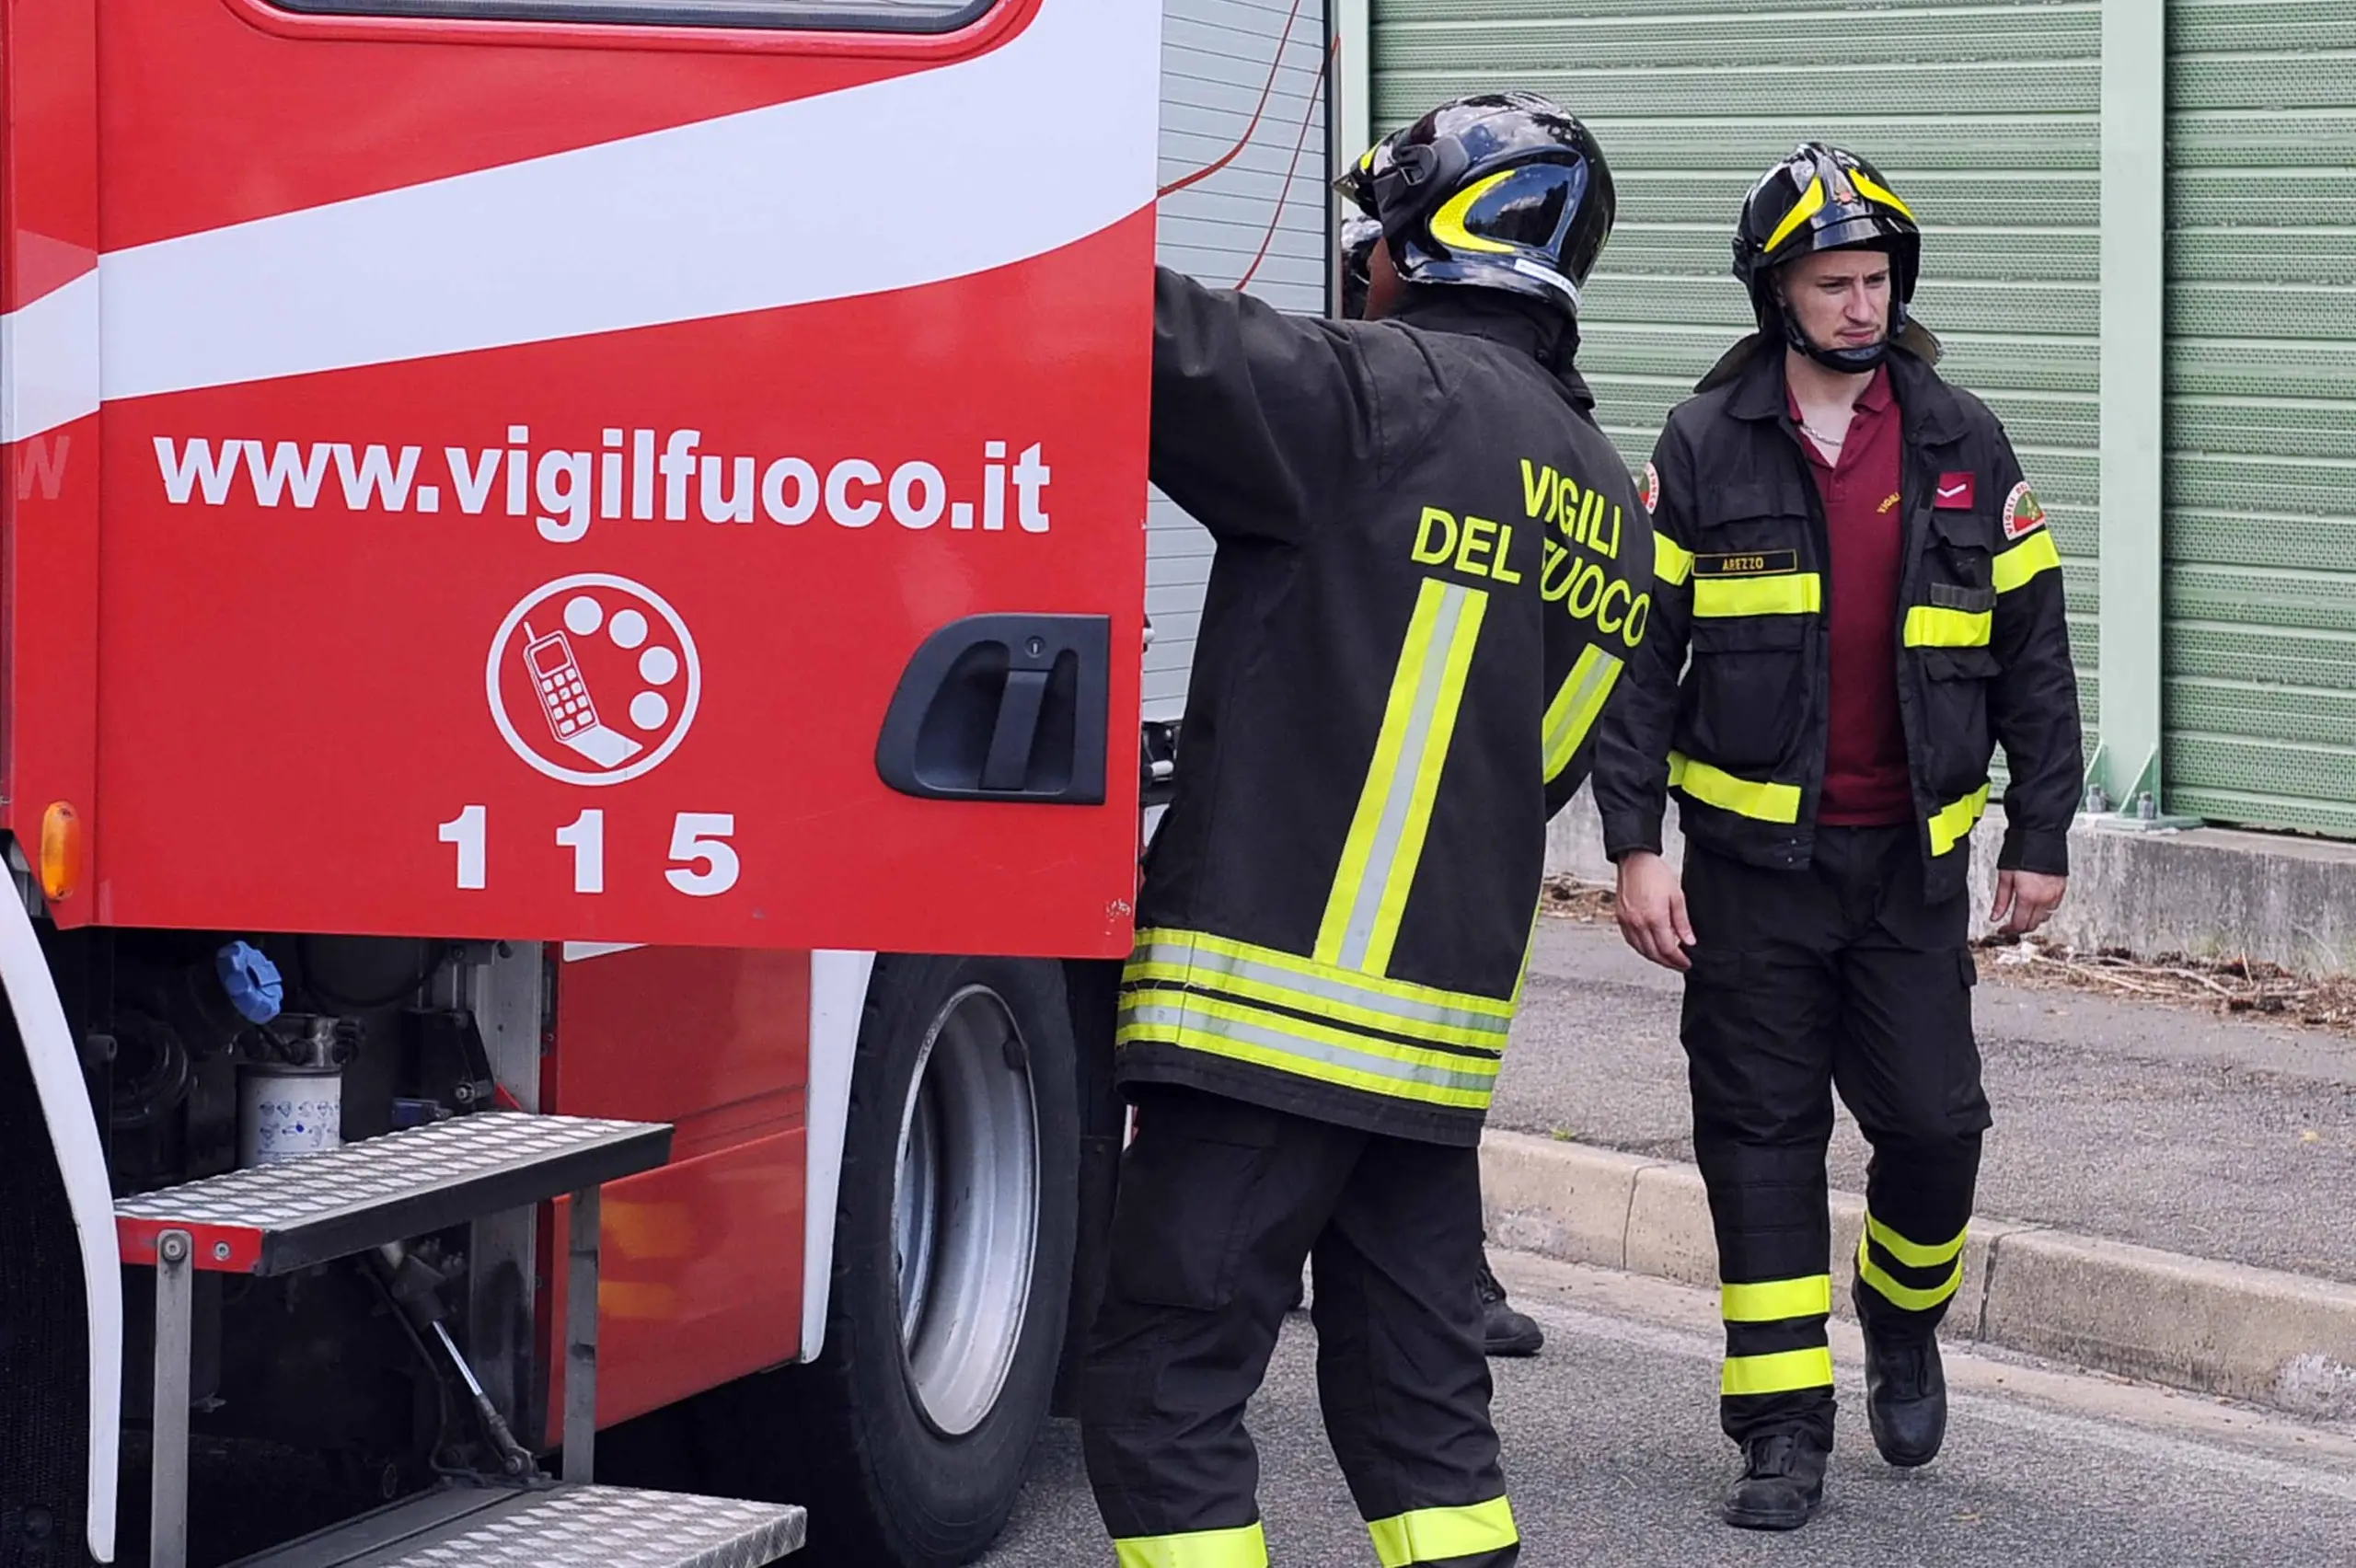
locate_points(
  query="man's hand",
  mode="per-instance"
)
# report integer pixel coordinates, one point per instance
(1651, 909)
(2029, 898)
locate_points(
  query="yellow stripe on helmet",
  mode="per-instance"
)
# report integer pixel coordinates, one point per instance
(1811, 202)
(1448, 224)
(1881, 193)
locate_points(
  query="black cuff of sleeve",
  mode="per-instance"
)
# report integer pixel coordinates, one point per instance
(1630, 833)
(2043, 850)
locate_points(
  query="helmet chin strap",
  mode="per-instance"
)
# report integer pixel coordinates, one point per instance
(1848, 362)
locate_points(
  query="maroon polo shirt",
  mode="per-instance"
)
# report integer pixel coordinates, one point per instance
(1865, 779)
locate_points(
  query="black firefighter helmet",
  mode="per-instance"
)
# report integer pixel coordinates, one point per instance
(1497, 190)
(1825, 198)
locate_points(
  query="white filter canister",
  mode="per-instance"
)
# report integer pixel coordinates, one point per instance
(287, 1111)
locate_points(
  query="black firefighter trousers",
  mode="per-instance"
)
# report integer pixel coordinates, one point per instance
(1842, 973)
(1220, 1203)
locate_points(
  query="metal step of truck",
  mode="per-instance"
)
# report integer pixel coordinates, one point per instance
(269, 1219)
(552, 1527)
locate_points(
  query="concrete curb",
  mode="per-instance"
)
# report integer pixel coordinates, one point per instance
(2246, 1334)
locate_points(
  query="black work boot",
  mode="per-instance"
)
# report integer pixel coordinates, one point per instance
(1781, 1483)
(1906, 1396)
(1504, 1331)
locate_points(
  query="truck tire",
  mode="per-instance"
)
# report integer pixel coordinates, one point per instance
(907, 1439)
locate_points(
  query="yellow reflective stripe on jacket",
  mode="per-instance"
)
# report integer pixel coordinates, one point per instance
(1243, 1548)
(1769, 1301)
(1905, 1297)
(1782, 1373)
(1927, 626)
(1265, 975)
(1787, 593)
(1673, 562)
(1914, 1254)
(1437, 1535)
(1308, 1050)
(2021, 564)
(1953, 823)
(1764, 803)
(1573, 713)
(1394, 811)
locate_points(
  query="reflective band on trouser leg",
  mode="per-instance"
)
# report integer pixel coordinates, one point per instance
(1573, 713)
(1243, 1548)
(1953, 823)
(1915, 1278)
(1779, 1372)
(1444, 1535)
(1775, 1336)
(1771, 1301)
(1764, 803)
(1673, 562)
(1395, 806)
(1927, 626)
(2027, 560)
(1790, 594)
(1914, 1254)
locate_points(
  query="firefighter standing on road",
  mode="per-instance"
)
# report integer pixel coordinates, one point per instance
(1431, 568)
(1870, 598)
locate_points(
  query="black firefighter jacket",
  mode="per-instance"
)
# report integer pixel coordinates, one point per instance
(1431, 570)
(1739, 549)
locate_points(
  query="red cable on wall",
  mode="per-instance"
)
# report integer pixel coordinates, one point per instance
(1324, 70)
(1275, 68)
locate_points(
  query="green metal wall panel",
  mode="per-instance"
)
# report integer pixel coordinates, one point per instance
(2260, 598)
(1983, 113)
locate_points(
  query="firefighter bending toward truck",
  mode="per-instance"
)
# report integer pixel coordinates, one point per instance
(1430, 570)
(1870, 600)
(1505, 1331)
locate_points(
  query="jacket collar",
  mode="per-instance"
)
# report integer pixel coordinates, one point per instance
(1543, 333)
(1755, 367)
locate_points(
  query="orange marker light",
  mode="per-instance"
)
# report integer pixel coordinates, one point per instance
(60, 851)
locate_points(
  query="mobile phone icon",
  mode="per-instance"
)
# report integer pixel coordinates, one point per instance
(556, 678)
(564, 701)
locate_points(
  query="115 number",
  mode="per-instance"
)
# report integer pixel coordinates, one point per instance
(704, 863)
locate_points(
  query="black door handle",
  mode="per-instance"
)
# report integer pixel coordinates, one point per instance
(1003, 708)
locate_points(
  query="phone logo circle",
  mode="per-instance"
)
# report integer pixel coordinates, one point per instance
(593, 679)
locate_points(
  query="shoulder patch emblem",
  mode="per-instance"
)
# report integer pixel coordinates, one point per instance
(1648, 489)
(2023, 515)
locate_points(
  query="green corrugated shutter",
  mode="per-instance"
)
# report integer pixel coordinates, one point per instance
(1984, 116)
(2260, 607)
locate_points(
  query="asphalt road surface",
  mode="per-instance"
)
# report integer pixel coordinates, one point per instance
(1614, 1459)
(2169, 1128)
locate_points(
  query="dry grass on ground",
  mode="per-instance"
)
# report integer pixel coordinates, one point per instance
(2239, 987)
(2234, 986)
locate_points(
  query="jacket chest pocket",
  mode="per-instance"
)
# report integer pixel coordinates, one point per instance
(1755, 597)
(1762, 518)
(1949, 630)
(1955, 713)
(1954, 602)
(1749, 691)
(1961, 553)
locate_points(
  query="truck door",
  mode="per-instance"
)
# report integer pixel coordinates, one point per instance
(624, 471)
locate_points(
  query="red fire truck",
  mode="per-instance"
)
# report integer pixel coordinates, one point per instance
(572, 581)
